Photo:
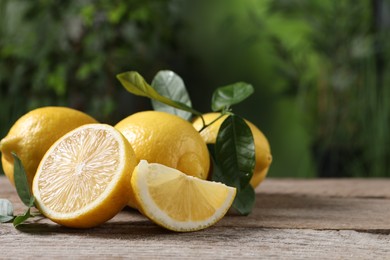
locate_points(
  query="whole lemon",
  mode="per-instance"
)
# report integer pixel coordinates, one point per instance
(159, 137)
(33, 134)
(262, 147)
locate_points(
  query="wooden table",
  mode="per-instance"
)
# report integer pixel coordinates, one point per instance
(292, 219)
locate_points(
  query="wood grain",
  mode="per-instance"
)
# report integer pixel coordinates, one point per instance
(293, 219)
(353, 188)
(150, 242)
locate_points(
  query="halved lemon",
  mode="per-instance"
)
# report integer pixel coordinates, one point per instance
(177, 201)
(84, 179)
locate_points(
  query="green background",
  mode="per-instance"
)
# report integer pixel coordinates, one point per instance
(319, 68)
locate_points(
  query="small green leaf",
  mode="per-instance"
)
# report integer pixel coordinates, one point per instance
(21, 183)
(5, 219)
(6, 211)
(22, 218)
(245, 200)
(229, 95)
(235, 152)
(170, 85)
(135, 83)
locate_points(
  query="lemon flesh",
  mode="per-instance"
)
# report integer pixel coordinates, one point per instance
(177, 201)
(84, 178)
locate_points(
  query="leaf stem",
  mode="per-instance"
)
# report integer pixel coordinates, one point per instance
(203, 123)
(212, 122)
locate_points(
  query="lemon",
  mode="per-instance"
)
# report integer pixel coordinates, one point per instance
(262, 147)
(84, 179)
(32, 135)
(159, 137)
(177, 201)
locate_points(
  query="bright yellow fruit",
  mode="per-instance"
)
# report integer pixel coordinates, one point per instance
(159, 137)
(32, 135)
(177, 201)
(84, 179)
(262, 147)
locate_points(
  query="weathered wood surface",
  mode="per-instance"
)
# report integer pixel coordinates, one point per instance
(292, 219)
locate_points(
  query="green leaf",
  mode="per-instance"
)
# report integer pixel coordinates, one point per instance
(170, 85)
(21, 183)
(245, 200)
(229, 95)
(133, 82)
(22, 218)
(5, 219)
(6, 211)
(216, 173)
(235, 152)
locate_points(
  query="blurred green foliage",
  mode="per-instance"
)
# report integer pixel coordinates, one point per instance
(319, 68)
(68, 53)
(349, 95)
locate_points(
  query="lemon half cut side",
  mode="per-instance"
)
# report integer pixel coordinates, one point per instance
(84, 179)
(177, 201)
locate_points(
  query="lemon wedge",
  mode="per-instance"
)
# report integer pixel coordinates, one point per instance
(84, 179)
(177, 201)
